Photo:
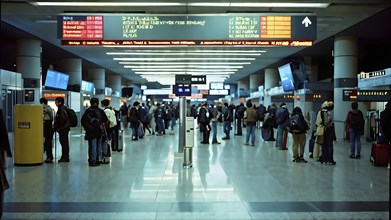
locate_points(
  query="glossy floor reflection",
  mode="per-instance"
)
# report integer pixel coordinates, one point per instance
(227, 181)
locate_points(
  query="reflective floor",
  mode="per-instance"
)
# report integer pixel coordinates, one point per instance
(227, 181)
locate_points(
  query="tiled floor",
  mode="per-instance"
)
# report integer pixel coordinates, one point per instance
(227, 181)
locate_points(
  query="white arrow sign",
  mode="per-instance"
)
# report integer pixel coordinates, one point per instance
(306, 21)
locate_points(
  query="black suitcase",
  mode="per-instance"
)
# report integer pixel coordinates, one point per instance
(266, 134)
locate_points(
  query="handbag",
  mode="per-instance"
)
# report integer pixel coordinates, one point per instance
(319, 131)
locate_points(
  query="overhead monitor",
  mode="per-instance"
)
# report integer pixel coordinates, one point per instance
(216, 85)
(286, 76)
(56, 80)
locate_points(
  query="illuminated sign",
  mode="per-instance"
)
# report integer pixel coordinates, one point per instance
(80, 27)
(287, 43)
(182, 89)
(198, 80)
(364, 75)
(373, 95)
(53, 95)
(349, 95)
(241, 29)
(219, 92)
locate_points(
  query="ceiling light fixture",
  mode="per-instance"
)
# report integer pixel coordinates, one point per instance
(181, 58)
(106, 4)
(184, 66)
(184, 63)
(184, 53)
(185, 69)
(183, 72)
(201, 51)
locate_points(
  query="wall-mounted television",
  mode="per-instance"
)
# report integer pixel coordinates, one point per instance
(87, 87)
(127, 92)
(56, 80)
(182, 90)
(286, 76)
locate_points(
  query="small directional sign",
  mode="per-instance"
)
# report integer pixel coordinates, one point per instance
(306, 21)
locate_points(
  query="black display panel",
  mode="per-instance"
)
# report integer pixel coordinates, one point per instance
(182, 90)
(127, 92)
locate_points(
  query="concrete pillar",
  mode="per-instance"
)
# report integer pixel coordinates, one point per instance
(255, 81)
(272, 79)
(97, 76)
(28, 63)
(73, 67)
(114, 82)
(345, 77)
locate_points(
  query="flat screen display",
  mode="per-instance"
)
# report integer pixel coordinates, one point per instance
(286, 76)
(56, 80)
(216, 85)
(182, 90)
(87, 86)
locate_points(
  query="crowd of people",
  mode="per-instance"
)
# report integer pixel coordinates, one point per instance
(99, 125)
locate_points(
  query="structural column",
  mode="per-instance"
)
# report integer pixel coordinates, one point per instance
(256, 80)
(28, 63)
(345, 77)
(272, 79)
(97, 76)
(73, 67)
(114, 82)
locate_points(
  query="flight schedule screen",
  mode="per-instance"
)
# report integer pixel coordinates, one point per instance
(81, 27)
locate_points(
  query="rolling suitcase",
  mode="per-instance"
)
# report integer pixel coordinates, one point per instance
(106, 152)
(380, 154)
(120, 146)
(266, 134)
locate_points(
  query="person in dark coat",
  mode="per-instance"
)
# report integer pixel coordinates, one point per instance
(203, 120)
(93, 121)
(62, 126)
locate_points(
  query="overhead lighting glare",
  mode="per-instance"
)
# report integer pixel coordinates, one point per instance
(184, 66)
(184, 53)
(183, 72)
(107, 4)
(184, 63)
(199, 51)
(181, 58)
(185, 69)
(262, 5)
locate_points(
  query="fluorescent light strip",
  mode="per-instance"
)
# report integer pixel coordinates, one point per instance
(184, 66)
(184, 63)
(261, 5)
(184, 53)
(187, 70)
(184, 72)
(182, 58)
(105, 4)
(198, 4)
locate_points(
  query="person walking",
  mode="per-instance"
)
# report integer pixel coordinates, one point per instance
(214, 118)
(250, 117)
(134, 118)
(47, 129)
(355, 123)
(227, 117)
(239, 114)
(62, 126)
(159, 115)
(298, 127)
(93, 122)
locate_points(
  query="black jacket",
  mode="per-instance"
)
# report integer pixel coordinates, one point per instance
(93, 121)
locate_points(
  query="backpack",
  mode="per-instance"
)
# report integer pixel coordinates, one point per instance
(133, 115)
(261, 112)
(296, 123)
(72, 117)
(143, 115)
(357, 122)
(282, 116)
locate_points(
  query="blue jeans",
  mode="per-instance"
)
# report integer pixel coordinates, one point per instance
(214, 129)
(95, 150)
(227, 128)
(173, 123)
(250, 131)
(160, 125)
(355, 140)
(280, 134)
(135, 127)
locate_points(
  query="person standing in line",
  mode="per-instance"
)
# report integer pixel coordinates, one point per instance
(227, 117)
(159, 115)
(239, 114)
(250, 117)
(355, 123)
(269, 122)
(47, 129)
(204, 119)
(151, 118)
(174, 117)
(93, 121)
(282, 119)
(329, 137)
(124, 114)
(144, 118)
(298, 128)
(134, 118)
(214, 118)
(62, 126)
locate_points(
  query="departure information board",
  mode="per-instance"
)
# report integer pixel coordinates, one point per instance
(187, 30)
(81, 27)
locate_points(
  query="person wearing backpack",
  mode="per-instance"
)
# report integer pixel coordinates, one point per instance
(227, 118)
(282, 120)
(144, 119)
(250, 118)
(159, 115)
(298, 127)
(269, 123)
(134, 118)
(62, 126)
(355, 123)
(93, 121)
(238, 118)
